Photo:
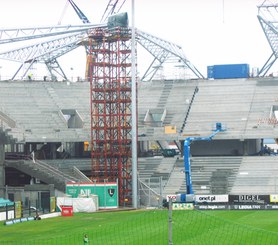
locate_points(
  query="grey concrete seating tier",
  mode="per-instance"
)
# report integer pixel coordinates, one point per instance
(241, 105)
(257, 175)
(155, 171)
(172, 96)
(36, 108)
(210, 175)
(227, 175)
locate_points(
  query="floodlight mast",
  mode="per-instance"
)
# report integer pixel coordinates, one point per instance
(187, 165)
(134, 132)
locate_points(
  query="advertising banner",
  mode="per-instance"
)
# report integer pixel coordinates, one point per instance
(18, 210)
(211, 198)
(173, 197)
(249, 198)
(271, 207)
(182, 206)
(212, 207)
(247, 207)
(52, 204)
(107, 192)
(274, 198)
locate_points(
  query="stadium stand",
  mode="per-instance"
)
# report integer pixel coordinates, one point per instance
(37, 108)
(54, 115)
(256, 175)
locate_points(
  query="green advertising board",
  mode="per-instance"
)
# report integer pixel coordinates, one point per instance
(107, 192)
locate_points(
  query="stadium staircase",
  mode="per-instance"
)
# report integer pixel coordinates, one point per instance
(76, 167)
(168, 85)
(189, 107)
(176, 179)
(162, 104)
(44, 172)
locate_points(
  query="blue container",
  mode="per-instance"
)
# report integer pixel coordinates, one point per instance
(228, 71)
(210, 72)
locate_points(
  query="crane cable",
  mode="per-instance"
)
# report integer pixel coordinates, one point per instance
(63, 13)
(112, 10)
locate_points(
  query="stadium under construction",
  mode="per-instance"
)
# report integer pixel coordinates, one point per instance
(55, 132)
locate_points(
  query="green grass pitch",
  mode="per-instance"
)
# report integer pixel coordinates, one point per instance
(148, 227)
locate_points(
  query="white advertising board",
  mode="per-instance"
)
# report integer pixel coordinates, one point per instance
(211, 198)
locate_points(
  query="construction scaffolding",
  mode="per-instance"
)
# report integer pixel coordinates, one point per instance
(110, 80)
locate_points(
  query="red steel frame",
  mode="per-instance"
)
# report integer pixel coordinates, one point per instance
(110, 83)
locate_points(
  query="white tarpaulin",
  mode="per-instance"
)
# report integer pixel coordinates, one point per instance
(83, 205)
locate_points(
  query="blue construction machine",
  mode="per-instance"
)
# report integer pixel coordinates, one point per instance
(189, 195)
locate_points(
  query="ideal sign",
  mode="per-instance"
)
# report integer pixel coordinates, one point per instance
(107, 192)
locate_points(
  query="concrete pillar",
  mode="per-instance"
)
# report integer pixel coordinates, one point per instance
(2, 170)
(182, 148)
(26, 148)
(145, 145)
(245, 147)
(53, 151)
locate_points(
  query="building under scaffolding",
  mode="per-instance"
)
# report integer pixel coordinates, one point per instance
(110, 78)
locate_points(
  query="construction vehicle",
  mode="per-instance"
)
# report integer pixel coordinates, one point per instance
(189, 195)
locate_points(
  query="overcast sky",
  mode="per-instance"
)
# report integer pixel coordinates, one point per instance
(209, 31)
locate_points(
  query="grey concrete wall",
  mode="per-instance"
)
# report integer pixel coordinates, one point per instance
(30, 192)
